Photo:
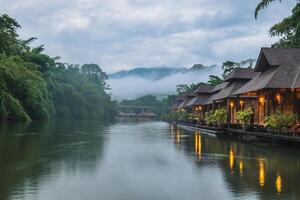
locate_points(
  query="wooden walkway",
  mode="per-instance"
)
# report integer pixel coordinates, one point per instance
(291, 138)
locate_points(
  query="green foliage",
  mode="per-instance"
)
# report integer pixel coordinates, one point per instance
(228, 67)
(288, 30)
(9, 43)
(214, 80)
(159, 107)
(193, 117)
(180, 116)
(278, 121)
(183, 116)
(182, 89)
(209, 118)
(244, 116)
(262, 5)
(12, 109)
(34, 86)
(218, 117)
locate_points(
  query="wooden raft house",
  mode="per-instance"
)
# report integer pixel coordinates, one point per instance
(273, 86)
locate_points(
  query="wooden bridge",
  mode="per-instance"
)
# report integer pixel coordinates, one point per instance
(135, 111)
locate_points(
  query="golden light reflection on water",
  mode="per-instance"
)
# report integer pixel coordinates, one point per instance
(241, 167)
(278, 184)
(231, 160)
(261, 173)
(198, 145)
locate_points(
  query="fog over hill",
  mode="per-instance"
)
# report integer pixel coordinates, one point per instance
(160, 81)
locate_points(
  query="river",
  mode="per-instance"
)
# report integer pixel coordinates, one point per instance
(88, 160)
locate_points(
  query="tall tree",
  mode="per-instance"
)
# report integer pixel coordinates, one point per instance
(288, 29)
(228, 67)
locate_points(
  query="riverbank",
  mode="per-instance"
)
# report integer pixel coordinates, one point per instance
(280, 138)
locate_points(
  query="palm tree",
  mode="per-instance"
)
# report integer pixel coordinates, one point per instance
(263, 4)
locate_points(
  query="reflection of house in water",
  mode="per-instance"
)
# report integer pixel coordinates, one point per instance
(245, 167)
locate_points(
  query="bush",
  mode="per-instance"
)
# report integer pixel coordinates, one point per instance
(244, 116)
(220, 116)
(278, 121)
(217, 117)
(209, 118)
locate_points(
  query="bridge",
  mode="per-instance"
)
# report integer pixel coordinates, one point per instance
(135, 111)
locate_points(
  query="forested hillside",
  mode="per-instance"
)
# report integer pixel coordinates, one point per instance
(35, 86)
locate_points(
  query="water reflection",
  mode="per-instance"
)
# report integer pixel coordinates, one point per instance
(198, 145)
(278, 184)
(241, 167)
(30, 152)
(89, 160)
(256, 166)
(231, 160)
(261, 173)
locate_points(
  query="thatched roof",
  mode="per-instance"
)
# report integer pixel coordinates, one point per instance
(278, 68)
(204, 88)
(228, 90)
(198, 100)
(219, 87)
(241, 74)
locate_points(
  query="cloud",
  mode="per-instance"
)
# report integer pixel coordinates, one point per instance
(120, 34)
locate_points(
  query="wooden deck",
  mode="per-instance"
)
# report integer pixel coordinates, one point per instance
(287, 138)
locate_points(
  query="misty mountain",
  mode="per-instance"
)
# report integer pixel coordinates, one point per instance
(158, 73)
(161, 81)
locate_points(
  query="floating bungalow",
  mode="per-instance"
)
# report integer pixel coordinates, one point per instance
(199, 103)
(187, 97)
(272, 87)
(225, 98)
(277, 84)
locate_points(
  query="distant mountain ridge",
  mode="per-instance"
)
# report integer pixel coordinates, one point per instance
(157, 73)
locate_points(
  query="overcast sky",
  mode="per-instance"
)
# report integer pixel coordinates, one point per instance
(120, 34)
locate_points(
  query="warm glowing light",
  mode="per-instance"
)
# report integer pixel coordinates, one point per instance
(196, 109)
(261, 173)
(200, 108)
(198, 145)
(278, 184)
(231, 104)
(241, 167)
(231, 160)
(242, 103)
(262, 99)
(278, 98)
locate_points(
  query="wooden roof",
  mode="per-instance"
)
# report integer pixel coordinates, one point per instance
(277, 68)
(241, 74)
(204, 88)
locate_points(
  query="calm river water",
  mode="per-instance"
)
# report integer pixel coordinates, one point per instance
(86, 160)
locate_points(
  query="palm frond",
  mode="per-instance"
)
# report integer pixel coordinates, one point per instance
(262, 5)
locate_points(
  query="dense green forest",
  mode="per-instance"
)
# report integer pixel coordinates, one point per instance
(35, 86)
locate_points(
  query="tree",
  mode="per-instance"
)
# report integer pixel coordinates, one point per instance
(228, 67)
(214, 80)
(288, 29)
(9, 44)
(182, 89)
(35, 86)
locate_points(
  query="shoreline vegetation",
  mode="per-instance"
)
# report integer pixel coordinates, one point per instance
(35, 86)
